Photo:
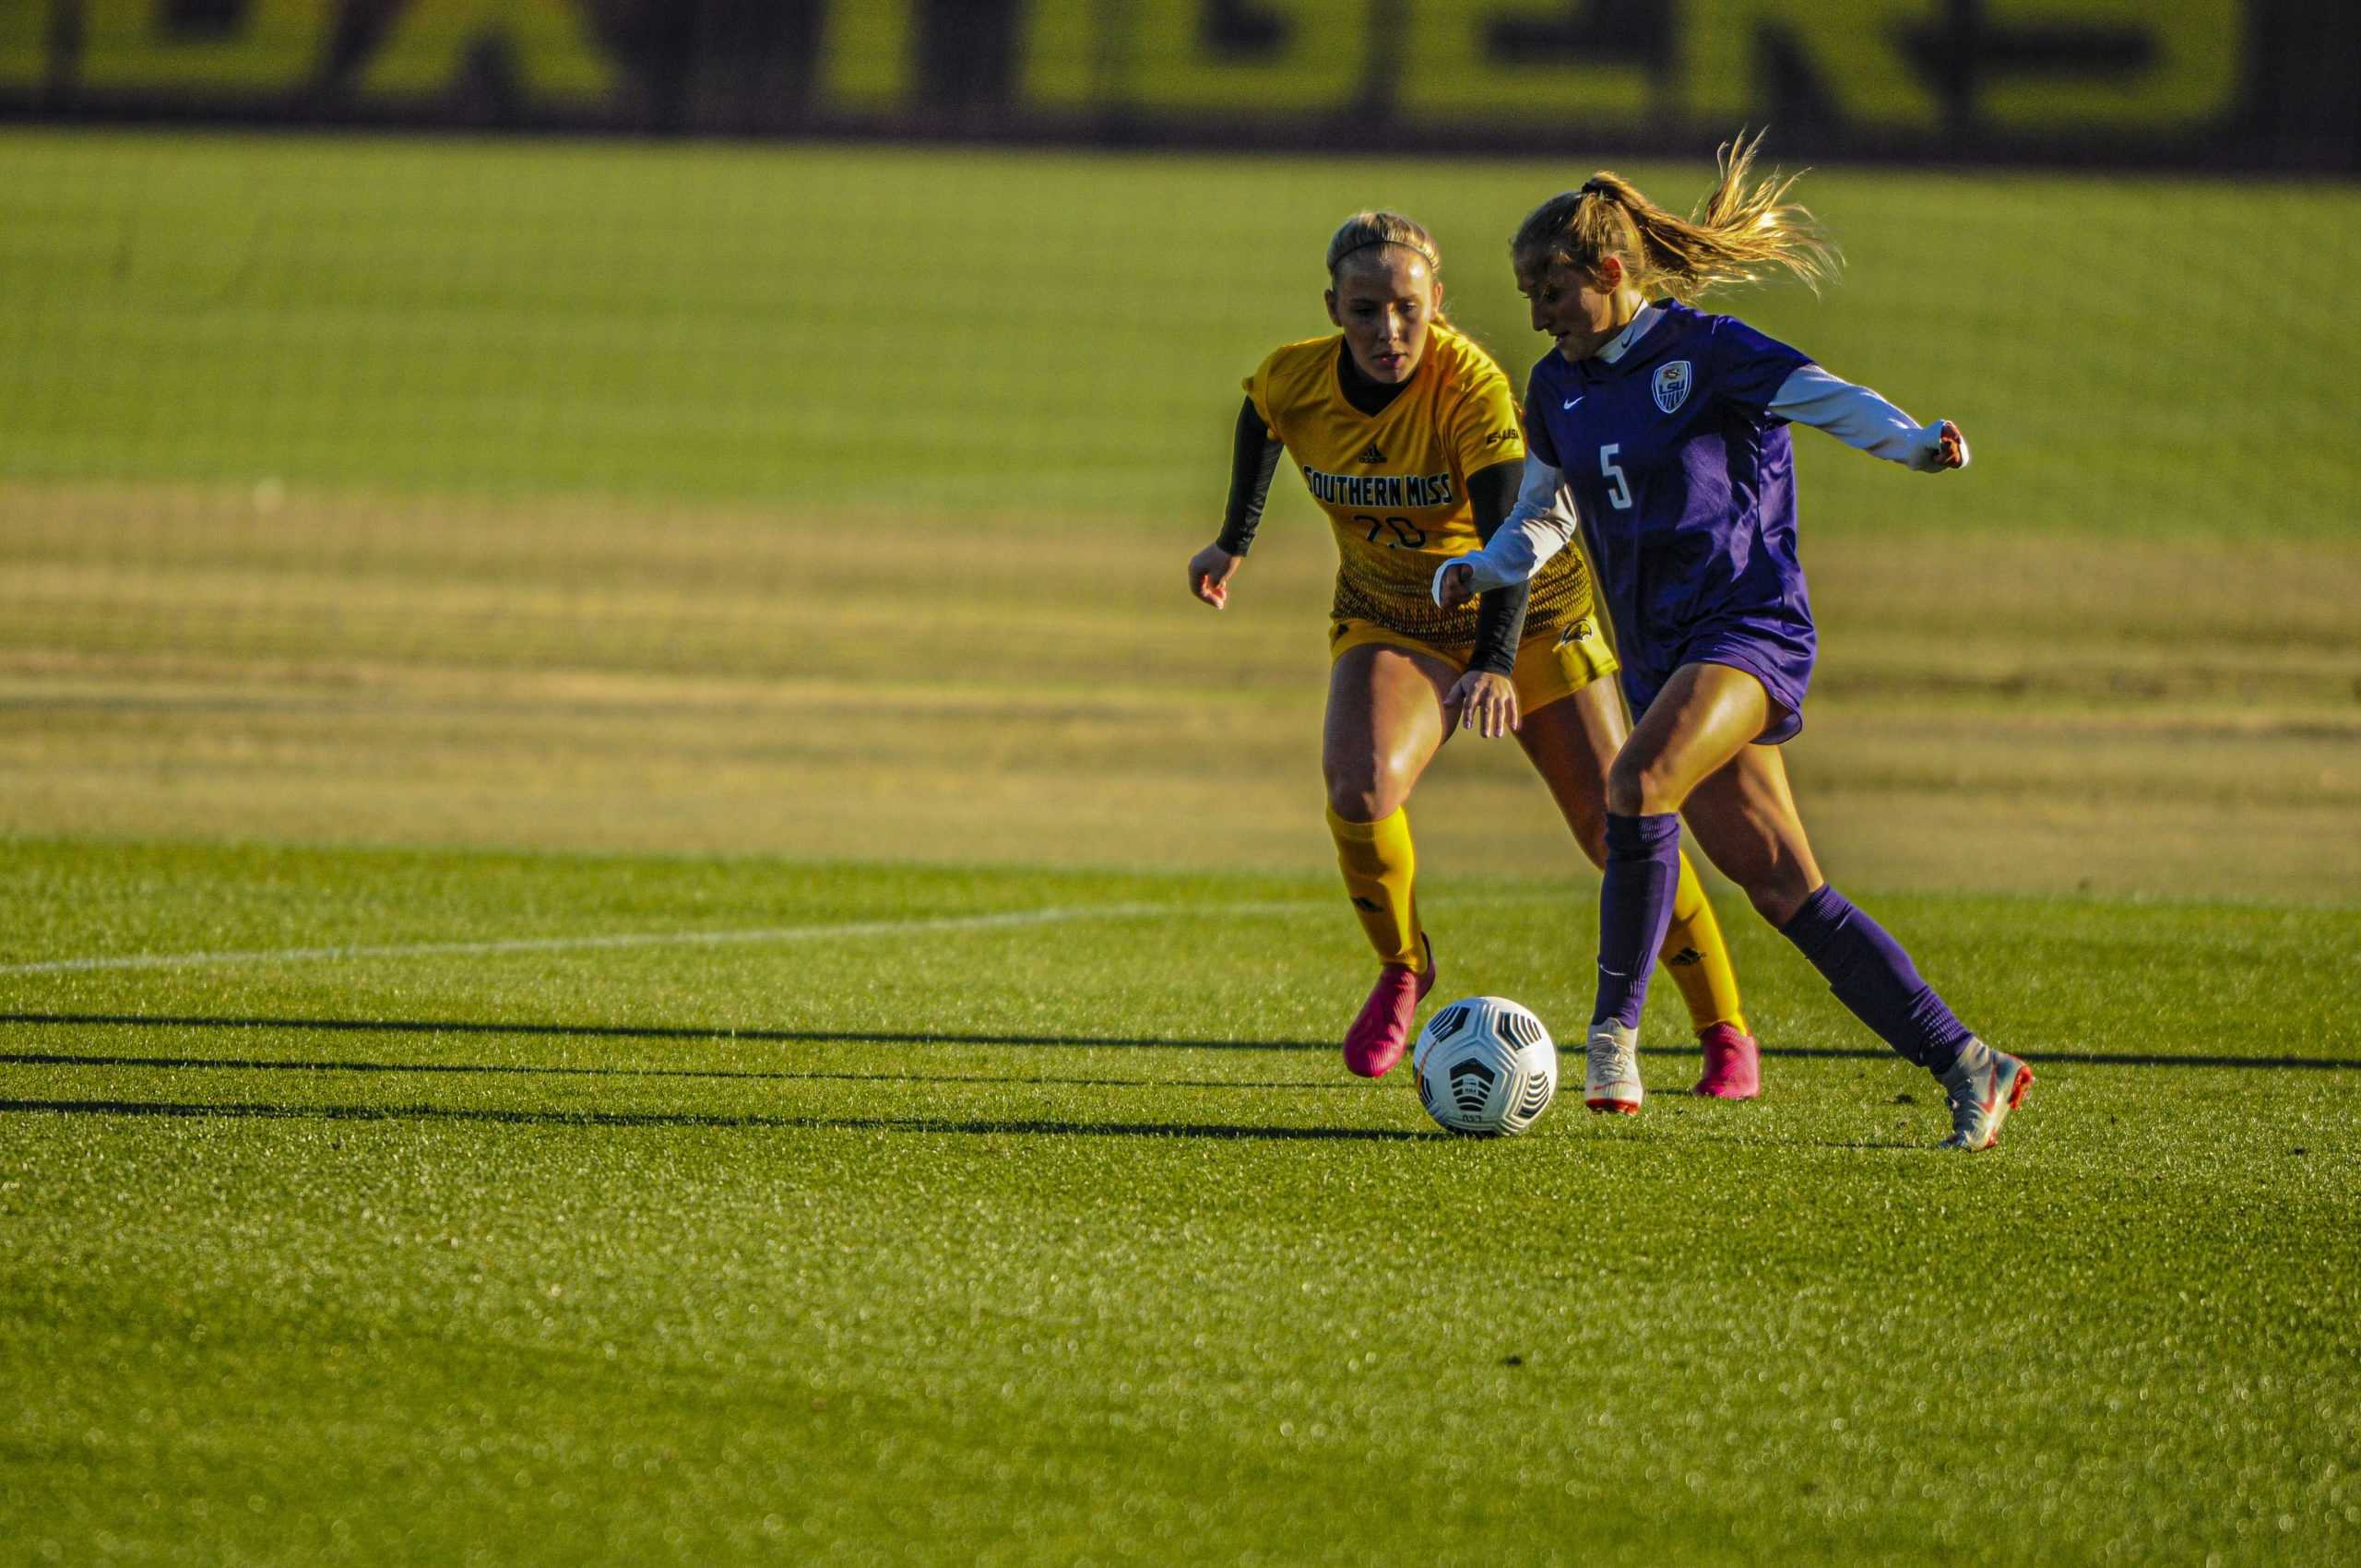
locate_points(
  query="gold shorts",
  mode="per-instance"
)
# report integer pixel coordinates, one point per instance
(1553, 665)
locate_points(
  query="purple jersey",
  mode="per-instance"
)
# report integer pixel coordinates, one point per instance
(1685, 484)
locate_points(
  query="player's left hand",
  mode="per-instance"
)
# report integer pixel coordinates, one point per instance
(1483, 702)
(1950, 446)
(1210, 570)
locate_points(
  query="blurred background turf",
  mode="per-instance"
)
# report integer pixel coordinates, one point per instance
(831, 501)
(964, 332)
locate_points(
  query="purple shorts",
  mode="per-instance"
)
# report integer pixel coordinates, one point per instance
(1776, 652)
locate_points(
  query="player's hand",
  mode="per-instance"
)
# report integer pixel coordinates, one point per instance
(1458, 586)
(1483, 702)
(1950, 446)
(1210, 570)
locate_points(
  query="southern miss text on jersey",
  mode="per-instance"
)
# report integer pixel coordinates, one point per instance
(1394, 483)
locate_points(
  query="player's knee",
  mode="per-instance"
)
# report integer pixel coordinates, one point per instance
(1639, 787)
(1365, 790)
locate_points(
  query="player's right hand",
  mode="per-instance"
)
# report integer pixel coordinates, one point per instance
(1458, 585)
(1210, 570)
(1483, 702)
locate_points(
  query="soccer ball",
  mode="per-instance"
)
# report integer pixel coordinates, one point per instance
(1485, 1067)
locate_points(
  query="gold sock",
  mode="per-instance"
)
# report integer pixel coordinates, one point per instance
(1379, 868)
(1696, 957)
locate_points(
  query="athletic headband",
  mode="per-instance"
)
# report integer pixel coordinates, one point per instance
(1432, 265)
(1591, 188)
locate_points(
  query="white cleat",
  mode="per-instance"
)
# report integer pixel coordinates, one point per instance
(1984, 1085)
(1611, 1081)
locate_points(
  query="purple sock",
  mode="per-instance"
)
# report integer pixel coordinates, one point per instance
(1870, 973)
(1634, 908)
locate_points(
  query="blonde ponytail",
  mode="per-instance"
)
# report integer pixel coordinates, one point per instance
(1740, 233)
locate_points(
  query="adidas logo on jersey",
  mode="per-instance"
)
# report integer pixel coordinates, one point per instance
(1372, 456)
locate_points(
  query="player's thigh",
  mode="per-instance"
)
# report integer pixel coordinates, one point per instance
(1571, 743)
(1704, 714)
(1384, 724)
(1744, 817)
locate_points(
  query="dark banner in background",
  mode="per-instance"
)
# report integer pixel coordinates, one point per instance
(2258, 84)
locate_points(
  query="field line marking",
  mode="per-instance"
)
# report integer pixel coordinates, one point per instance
(1002, 920)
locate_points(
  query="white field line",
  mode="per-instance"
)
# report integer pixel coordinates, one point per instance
(1007, 920)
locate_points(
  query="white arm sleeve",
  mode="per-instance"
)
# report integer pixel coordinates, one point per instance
(1859, 417)
(1537, 528)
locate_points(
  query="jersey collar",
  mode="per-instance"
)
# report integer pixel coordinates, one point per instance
(1637, 328)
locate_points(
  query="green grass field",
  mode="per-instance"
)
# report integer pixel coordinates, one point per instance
(953, 1220)
(640, 925)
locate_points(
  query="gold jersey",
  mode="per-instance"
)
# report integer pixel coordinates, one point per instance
(1394, 483)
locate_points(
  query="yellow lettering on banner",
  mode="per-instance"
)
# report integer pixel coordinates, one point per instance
(1854, 48)
(2199, 49)
(126, 48)
(24, 45)
(1446, 74)
(866, 54)
(553, 48)
(1323, 59)
(1063, 47)
(1085, 54)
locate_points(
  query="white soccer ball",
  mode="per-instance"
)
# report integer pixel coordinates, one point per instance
(1485, 1067)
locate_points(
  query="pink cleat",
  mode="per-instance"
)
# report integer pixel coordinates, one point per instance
(1733, 1067)
(1381, 1032)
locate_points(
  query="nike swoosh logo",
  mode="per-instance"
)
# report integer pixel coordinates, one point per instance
(1571, 401)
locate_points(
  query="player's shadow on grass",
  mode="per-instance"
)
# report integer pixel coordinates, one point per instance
(838, 1036)
(406, 1026)
(657, 1031)
(538, 1070)
(666, 1118)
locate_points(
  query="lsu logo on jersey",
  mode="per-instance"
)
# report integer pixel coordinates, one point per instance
(1672, 385)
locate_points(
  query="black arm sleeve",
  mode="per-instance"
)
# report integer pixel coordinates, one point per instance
(1254, 459)
(1499, 613)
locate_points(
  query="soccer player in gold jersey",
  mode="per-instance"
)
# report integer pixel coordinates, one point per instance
(1407, 435)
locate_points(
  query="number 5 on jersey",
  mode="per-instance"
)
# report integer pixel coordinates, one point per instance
(1617, 492)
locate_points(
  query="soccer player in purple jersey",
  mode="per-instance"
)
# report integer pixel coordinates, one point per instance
(1668, 429)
